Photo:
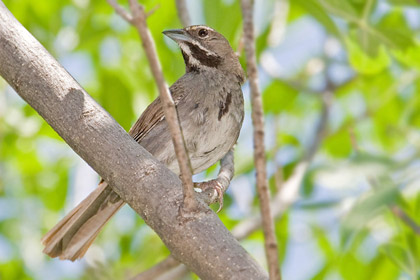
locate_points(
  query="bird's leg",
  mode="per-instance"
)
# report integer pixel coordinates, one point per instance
(209, 187)
(217, 187)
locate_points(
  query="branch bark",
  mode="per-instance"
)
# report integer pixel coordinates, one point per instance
(138, 20)
(224, 177)
(271, 250)
(201, 242)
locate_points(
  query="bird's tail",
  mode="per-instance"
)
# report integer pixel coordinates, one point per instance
(73, 235)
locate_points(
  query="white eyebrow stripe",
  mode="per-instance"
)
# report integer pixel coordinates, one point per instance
(195, 27)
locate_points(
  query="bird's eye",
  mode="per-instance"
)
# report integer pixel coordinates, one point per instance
(203, 33)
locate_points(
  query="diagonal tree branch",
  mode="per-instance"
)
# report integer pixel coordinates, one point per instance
(145, 184)
(271, 250)
(138, 20)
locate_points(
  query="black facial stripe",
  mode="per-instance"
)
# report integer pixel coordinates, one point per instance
(203, 57)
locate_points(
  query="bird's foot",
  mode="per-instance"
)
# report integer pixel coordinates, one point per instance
(212, 185)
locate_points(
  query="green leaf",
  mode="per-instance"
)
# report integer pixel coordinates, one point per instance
(13, 269)
(409, 57)
(368, 208)
(351, 267)
(296, 11)
(398, 254)
(417, 205)
(365, 64)
(261, 43)
(282, 235)
(318, 12)
(393, 26)
(338, 144)
(342, 9)
(320, 205)
(324, 243)
(381, 267)
(287, 139)
(363, 158)
(278, 96)
(224, 17)
(116, 99)
(387, 121)
(414, 3)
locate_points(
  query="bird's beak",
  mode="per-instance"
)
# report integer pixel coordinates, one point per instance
(178, 35)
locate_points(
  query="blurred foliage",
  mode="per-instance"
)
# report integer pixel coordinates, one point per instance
(343, 226)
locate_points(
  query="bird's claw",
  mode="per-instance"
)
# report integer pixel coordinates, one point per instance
(219, 189)
(215, 185)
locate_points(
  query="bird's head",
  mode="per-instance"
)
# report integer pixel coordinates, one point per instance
(203, 47)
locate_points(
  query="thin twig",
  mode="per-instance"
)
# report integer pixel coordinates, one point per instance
(397, 210)
(157, 270)
(353, 139)
(138, 20)
(407, 220)
(184, 16)
(278, 173)
(259, 148)
(289, 191)
(120, 10)
(152, 11)
(326, 98)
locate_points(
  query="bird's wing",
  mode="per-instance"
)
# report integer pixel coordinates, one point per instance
(154, 113)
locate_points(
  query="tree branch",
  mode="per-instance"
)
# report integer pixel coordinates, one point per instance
(138, 20)
(271, 250)
(289, 191)
(120, 11)
(407, 220)
(184, 16)
(224, 177)
(201, 242)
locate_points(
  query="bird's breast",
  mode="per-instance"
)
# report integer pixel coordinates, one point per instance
(212, 127)
(210, 113)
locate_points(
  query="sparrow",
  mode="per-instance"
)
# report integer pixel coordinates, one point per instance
(210, 107)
